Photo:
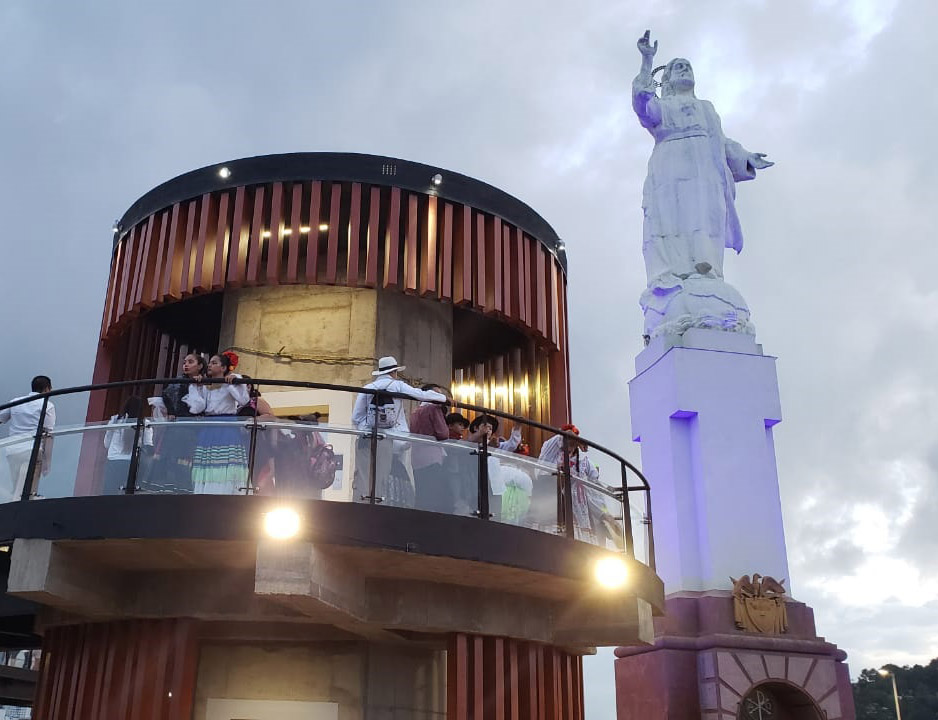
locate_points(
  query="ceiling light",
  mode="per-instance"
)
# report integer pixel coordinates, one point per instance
(265, 234)
(224, 173)
(437, 179)
(287, 231)
(304, 229)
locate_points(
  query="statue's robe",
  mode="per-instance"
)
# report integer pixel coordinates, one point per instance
(689, 194)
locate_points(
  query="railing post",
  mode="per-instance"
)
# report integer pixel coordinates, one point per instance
(131, 486)
(627, 513)
(34, 454)
(252, 446)
(566, 492)
(373, 465)
(651, 530)
(484, 511)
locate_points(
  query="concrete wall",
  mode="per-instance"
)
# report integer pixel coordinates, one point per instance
(367, 682)
(419, 333)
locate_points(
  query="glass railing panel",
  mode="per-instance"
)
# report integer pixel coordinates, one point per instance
(14, 459)
(167, 448)
(597, 508)
(302, 460)
(61, 472)
(524, 491)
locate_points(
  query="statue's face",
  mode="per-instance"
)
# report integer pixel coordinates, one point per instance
(681, 74)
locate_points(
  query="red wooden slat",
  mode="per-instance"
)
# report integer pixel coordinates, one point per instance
(495, 261)
(312, 241)
(554, 300)
(517, 260)
(479, 293)
(478, 679)
(540, 269)
(446, 253)
(237, 243)
(457, 678)
(374, 242)
(109, 297)
(352, 271)
(123, 691)
(332, 247)
(428, 251)
(200, 274)
(126, 261)
(514, 689)
(276, 234)
(529, 311)
(393, 241)
(142, 693)
(462, 257)
(168, 287)
(508, 274)
(110, 646)
(221, 246)
(184, 670)
(296, 222)
(499, 672)
(163, 650)
(143, 262)
(410, 245)
(153, 262)
(160, 261)
(257, 231)
(185, 282)
(55, 702)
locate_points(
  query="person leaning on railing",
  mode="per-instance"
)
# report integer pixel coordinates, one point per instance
(175, 445)
(24, 420)
(220, 460)
(384, 412)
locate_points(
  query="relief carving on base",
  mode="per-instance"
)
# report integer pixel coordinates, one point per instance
(759, 604)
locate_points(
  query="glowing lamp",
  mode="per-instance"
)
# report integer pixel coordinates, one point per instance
(282, 523)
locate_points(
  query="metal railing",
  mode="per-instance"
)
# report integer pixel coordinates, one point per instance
(483, 481)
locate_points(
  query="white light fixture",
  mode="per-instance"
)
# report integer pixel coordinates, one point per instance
(282, 523)
(323, 227)
(116, 227)
(611, 572)
(437, 179)
(287, 231)
(224, 173)
(4, 548)
(561, 246)
(304, 229)
(265, 234)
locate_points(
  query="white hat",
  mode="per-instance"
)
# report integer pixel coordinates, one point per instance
(386, 365)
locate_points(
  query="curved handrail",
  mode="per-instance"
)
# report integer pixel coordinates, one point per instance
(564, 490)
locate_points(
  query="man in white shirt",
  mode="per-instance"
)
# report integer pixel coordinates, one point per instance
(24, 419)
(385, 413)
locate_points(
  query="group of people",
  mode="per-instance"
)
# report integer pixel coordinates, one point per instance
(445, 476)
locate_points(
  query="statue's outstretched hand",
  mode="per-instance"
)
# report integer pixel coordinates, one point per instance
(758, 161)
(645, 47)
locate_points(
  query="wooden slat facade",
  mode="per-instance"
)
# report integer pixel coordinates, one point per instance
(129, 670)
(493, 678)
(353, 234)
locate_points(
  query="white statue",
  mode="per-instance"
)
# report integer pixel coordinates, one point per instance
(688, 202)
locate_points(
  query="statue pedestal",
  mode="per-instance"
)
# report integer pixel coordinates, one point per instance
(702, 667)
(703, 406)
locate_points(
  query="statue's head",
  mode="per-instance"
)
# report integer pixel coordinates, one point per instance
(678, 76)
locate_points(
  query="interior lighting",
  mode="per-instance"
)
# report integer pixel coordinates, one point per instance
(437, 179)
(323, 227)
(611, 572)
(287, 231)
(224, 173)
(304, 229)
(4, 548)
(265, 234)
(282, 523)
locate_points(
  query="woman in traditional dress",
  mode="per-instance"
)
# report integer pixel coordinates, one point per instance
(220, 460)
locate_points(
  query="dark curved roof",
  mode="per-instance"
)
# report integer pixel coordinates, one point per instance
(349, 167)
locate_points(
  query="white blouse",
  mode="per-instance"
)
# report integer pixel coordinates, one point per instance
(217, 398)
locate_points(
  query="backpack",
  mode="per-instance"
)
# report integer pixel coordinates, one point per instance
(382, 410)
(322, 466)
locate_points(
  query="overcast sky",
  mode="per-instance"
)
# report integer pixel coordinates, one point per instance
(100, 101)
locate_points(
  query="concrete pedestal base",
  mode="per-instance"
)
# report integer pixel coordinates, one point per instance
(703, 667)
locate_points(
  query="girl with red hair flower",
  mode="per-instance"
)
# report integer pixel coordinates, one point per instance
(220, 460)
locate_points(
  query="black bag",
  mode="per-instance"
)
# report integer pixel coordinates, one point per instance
(322, 466)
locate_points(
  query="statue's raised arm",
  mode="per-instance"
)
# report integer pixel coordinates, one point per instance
(689, 202)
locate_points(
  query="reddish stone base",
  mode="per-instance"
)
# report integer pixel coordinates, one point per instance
(702, 667)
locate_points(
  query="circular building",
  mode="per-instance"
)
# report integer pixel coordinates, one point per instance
(285, 599)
